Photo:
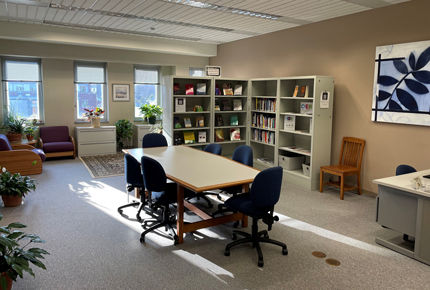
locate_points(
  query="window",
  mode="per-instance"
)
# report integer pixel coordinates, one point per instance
(146, 87)
(90, 88)
(197, 72)
(22, 84)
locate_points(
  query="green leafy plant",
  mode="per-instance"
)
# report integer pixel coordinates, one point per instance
(13, 122)
(14, 259)
(15, 184)
(149, 111)
(124, 131)
(30, 127)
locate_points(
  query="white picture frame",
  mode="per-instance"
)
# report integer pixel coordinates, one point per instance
(120, 93)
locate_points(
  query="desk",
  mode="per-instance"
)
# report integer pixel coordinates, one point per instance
(198, 171)
(406, 210)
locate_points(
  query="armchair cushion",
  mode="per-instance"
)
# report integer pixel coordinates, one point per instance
(58, 147)
(4, 143)
(40, 153)
(54, 134)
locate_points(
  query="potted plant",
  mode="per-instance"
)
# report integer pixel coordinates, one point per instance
(150, 112)
(94, 116)
(14, 124)
(15, 186)
(14, 258)
(30, 130)
(124, 132)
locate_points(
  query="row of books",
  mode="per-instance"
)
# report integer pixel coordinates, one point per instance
(234, 135)
(268, 105)
(200, 122)
(227, 90)
(301, 91)
(188, 138)
(219, 121)
(189, 89)
(225, 105)
(263, 121)
(263, 136)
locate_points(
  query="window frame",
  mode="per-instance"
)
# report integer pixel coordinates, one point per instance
(4, 89)
(158, 96)
(76, 64)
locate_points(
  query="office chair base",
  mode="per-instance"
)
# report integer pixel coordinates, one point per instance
(167, 221)
(134, 204)
(210, 205)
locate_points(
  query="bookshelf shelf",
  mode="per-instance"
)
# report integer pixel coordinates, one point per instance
(230, 112)
(297, 114)
(191, 96)
(264, 143)
(296, 98)
(295, 151)
(191, 128)
(231, 142)
(191, 112)
(266, 129)
(295, 132)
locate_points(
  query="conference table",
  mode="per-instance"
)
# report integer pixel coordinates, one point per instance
(402, 208)
(198, 171)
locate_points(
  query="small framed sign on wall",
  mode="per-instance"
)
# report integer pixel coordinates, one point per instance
(213, 71)
(121, 93)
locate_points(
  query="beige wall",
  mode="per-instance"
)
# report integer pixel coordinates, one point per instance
(344, 48)
(58, 74)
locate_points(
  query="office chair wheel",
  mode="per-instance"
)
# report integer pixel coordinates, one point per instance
(142, 240)
(260, 263)
(284, 252)
(233, 237)
(176, 240)
(227, 253)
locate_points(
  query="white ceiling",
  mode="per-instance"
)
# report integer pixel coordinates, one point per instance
(220, 21)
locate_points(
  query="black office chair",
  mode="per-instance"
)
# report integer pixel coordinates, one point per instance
(259, 203)
(153, 140)
(134, 179)
(244, 155)
(214, 149)
(400, 170)
(161, 194)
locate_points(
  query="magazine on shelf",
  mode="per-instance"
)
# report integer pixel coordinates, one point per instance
(219, 121)
(201, 89)
(219, 135)
(235, 134)
(202, 137)
(189, 89)
(180, 104)
(217, 108)
(189, 137)
(187, 122)
(238, 90)
(177, 123)
(176, 89)
(217, 90)
(200, 121)
(227, 89)
(237, 105)
(225, 105)
(234, 121)
(177, 140)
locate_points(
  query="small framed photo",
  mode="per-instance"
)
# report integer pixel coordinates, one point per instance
(121, 93)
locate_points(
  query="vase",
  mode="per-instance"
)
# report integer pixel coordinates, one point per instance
(95, 122)
(11, 200)
(9, 281)
(152, 120)
(13, 136)
(30, 137)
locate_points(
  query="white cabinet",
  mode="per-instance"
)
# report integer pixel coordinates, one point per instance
(96, 141)
(138, 132)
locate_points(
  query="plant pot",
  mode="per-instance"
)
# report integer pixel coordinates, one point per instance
(152, 120)
(13, 136)
(95, 122)
(30, 137)
(11, 200)
(9, 281)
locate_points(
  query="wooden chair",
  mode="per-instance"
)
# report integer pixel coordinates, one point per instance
(350, 158)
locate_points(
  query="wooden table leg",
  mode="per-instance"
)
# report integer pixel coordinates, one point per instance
(180, 214)
(137, 193)
(245, 189)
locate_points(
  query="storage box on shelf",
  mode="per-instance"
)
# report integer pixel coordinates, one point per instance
(96, 141)
(139, 130)
(185, 100)
(231, 113)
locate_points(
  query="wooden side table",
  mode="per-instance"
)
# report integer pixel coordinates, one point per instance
(17, 144)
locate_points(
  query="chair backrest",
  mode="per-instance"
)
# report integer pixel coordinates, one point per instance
(213, 148)
(4, 143)
(266, 187)
(54, 134)
(153, 140)
(404, 169)
(243, 154)
(351, 152)
(154, 176)
(133, 173)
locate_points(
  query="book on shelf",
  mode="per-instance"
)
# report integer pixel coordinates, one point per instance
(176, 89)
(268, 105)
(217, 108)
(177, 139)
(238, 90)
(290, 123)
(202, 137)
(263, 136)
(237, 105)
(235, 134)
(217, 90)
(177, 123)
(227, 89)
(189, 89)
(264, 121)
(180, 104)
(234, 120)
(225, 105)
(306, 92)
(302, 91)
(306, 108)
(200, 121)
(219, 121)
(219, 135)
(189, 137)
(296, 91)
(187, 122)
(201, 89)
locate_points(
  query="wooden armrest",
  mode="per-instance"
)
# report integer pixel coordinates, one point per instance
(41, 143)
(21, 146)
(74, 147)
(21, 161)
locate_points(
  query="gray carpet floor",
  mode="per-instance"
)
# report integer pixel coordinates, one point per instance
(93, 247)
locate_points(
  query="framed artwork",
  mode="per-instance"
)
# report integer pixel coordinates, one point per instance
(401, 88)
(121, 93)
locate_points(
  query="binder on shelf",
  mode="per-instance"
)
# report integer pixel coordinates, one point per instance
(189, 137)
(201, 89)
(238, 90)
(237, 105)
(180, 104)
(189, 89)
(202, 137)
(187, 122)
(219, 135)
(200, 121)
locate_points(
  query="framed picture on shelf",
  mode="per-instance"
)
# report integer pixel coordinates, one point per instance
(121, 93)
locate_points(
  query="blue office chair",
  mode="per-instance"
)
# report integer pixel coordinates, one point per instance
(153, 140)
(259, 203)
(134, 179)
(161, 194)
(400, 170)
(213, 148)
(244, 155)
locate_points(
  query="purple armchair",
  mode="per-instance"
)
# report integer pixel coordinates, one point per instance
(20, 160)
(56, 141)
